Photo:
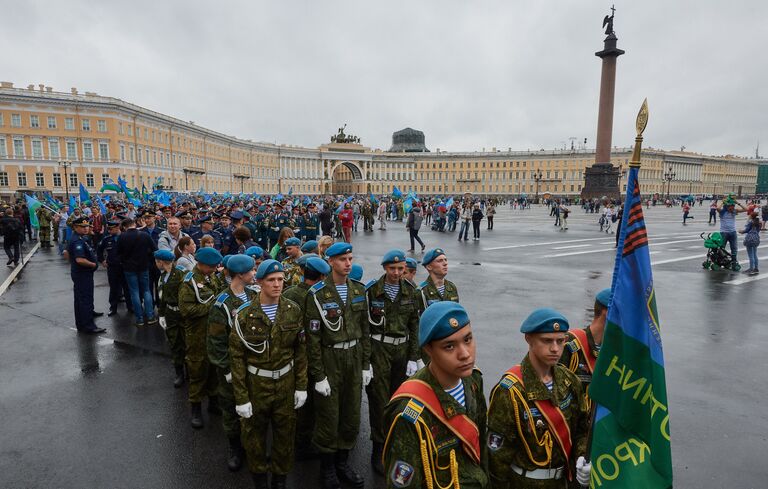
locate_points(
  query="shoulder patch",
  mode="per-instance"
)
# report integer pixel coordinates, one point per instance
(188, 276)
(221, 298)
(413, 410)
(370, 284)
(243, 306)
(316, 288)
(358, 298)
(572, 346)
(180, 268)
(422, 285)
(507, 382)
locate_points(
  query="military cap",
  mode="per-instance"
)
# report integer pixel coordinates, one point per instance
(393, 256)
(184, 215)
(255, 251)
(208, 256)
(430, 255)
(236, 215)
(604, 297)
(147, 213)
(204, 219)
(81, 221)
(318, 264)
(269, 267)
(113, 224)
(240, 263)
(411, 262)
(356, 273)
(337, 249)
(292, 242)
(247, 214)
(164, 255)
(544, 320)
(441, 320)
(309, 246)
(302, 260)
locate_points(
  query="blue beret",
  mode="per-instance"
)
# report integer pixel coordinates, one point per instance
(302, 260)
(225, 260)
(208, 256)
(411, 262)
(337, 249)
(318, 264)
(441, 320)
(255, 251)
(240, 263)
(268, 267)
(309, 246)
(262, 208)
(164, 255)
(393, 256)
(236, 215)
(356, 273)
(292, 242)
(604, 297)
(544, 320)
(430, 255)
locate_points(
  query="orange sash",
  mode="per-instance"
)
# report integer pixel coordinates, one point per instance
(581, 338)
(460, 425)
(553, 415)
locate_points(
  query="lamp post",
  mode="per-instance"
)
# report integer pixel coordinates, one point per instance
(537, 179)
(669, 176)
(65, 164)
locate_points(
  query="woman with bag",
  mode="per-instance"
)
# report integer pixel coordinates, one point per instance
(751, 242)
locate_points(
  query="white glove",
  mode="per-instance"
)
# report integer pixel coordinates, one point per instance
(162, 322)
(411, 368)
(367, 376)
(323, 387)
(419, 364)
(583, 469)
(244, 410)
(228, 377)
(299, 398)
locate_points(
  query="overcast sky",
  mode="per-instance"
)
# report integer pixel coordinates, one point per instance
(471, 75)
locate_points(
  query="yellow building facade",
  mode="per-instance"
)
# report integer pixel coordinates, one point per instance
(53, 141)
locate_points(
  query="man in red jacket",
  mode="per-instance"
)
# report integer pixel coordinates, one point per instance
(347, 218)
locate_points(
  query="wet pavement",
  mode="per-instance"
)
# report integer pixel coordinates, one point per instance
(101, 412)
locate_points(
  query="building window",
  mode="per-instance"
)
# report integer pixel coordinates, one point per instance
(39, 179)
(131, 152)
(3, 150)
(104, 178)
(57, 179)
(87, 151)
(122, 153)
(120, 128)
(73, 179)
(103, 151)
(18, 148)
(51, 122)
(69, 123)
(130, 130)
(89, 180)
(15, 120)
(2, 121)
(22, 178)
(101, 125)
(147, 153)
(34, 121)
(138, 155)
(37, 149)
(3, 178)
(53, 148)
(86, 124)
(71, 150)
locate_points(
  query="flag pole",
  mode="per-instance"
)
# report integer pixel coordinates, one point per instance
(640, 123)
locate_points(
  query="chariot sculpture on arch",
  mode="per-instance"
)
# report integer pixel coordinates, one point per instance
(340, 137)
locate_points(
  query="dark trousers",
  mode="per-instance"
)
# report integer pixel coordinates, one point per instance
(712, 217)
(118, 287)
(490, 222)
(154, 276)
(414, 233)
(476, 229)
(83, 290)
(11, 247)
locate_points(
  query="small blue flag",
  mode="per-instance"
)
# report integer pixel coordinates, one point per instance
(72, 203)
(397, 193)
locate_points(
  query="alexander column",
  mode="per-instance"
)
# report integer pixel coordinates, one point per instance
(602, 178)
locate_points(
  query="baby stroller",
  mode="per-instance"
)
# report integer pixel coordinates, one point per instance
(717, 256)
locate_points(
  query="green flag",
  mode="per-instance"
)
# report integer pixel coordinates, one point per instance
(33, 205)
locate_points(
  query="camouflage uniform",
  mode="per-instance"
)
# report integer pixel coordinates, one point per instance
(339, 348)
(168, 307)
(511, 401)
(394, 341)
(219, 329)
(430, 294)
(196, 297)
(403, 462)
(44, 218)
(292, 272)
(574, 358)
(266, 372)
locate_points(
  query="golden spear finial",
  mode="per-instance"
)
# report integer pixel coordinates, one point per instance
(640, 123)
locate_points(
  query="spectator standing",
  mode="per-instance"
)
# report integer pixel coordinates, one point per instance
(185, 253)
(170, 237)
(134, 249)
(489, 213)
(11, 230)
(564, 212)
(751, 242)
(347, 219)
(326, 220)
(413, 224)
(382, 214)
(466, 218)
(713, 213)
(764, 211)
(477, 216)
(60, 221)
(728, 214)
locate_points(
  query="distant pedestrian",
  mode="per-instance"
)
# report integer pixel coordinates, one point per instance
(413, 225)
(564, 212)
(347, 219)
(686, 212)
(752, 241)
(382, 214)
(713, 213)
(135, 250)
(466, 218)
(477, 216)
(11, 230)
(489, 213)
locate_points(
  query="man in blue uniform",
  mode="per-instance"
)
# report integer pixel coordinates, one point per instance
(107, 256)
(311, 223)
(82, 259)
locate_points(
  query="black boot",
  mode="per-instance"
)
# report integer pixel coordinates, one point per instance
(345, 472)
(213, 405)
(235, 458)
(329, 479)
(260, 481)
(179, 380)
(278, 481)
(378, 450)
(197, 416)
